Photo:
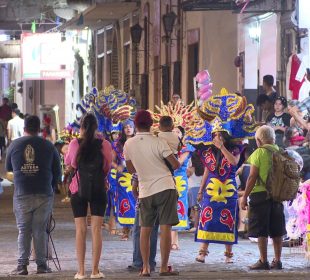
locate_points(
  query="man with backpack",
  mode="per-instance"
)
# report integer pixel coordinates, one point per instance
(273, 178)
(36, 166)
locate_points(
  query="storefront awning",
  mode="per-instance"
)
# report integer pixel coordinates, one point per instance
(99, 15)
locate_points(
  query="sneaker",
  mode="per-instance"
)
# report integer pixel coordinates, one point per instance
(20, 270)
(259, 265)
(276, 264)
(43, 268)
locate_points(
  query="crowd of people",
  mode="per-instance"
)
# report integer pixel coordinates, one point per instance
(170, 180)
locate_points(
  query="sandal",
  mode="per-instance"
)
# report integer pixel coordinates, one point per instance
(114, 231)
(125, 237)
(175, 247)
(201, 256)
(125, 234)
(141, 274)
(228, 256)
(170, 272)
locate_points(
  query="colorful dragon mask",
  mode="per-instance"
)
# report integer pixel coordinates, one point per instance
(221, 112)
(111, 107)
(181, 114)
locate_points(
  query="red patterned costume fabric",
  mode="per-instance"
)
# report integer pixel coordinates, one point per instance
(218, 218)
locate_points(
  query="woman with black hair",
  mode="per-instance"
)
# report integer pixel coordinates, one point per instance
(85, 151)
(125, 204)
(218, 196)
(279, 120)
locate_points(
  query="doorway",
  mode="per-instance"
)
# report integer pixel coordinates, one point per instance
(192, 70)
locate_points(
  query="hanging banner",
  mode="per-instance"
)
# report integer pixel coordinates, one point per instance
(45, 57)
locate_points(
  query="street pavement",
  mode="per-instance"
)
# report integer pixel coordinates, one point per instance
(117, 255)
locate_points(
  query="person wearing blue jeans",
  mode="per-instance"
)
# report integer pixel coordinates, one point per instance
(32, 214)
(137, 262)
(36, 167)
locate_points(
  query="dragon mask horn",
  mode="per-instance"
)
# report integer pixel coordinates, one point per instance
(205, 116)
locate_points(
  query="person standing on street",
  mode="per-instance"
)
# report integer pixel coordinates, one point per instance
(91, 158)
(266, 216)
(144, 155)
(270, 91)
(5, 110)
(15, 126)
(36, 167)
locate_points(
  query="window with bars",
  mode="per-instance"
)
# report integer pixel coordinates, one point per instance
(127, 81)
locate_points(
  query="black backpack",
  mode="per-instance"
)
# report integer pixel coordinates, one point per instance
(90, 175)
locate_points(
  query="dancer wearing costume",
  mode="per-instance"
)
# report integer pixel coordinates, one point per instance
(112, 185)
(125, 203)
(181, 116)
(220, 121)
(113, 107)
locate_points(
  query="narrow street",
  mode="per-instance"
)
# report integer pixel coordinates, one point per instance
(117, 254)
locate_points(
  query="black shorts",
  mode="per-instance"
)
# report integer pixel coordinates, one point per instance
(161, 207)
(266, 217)
(97, 205)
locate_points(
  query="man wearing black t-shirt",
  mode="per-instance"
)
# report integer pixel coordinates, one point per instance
(270, 91)
(36, 166)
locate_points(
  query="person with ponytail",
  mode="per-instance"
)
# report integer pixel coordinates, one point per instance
(86, 150)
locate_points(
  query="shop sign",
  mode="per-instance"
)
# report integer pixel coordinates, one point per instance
(45, 57)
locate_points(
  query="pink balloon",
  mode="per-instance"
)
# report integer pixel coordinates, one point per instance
(202, 76)
(206, 87)
(205, 92)
(206, 95)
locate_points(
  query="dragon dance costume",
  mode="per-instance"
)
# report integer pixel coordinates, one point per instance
(228, 113)
(112, 109)
(181, 116)
(181, 180)
(125, 201)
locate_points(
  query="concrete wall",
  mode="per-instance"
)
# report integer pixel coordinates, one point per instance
(218, 47)
(217, 43)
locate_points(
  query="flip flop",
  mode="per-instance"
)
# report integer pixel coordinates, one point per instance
(170, 272)
(141, 274)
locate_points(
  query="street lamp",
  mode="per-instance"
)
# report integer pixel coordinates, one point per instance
(136, 33)
(168, 21)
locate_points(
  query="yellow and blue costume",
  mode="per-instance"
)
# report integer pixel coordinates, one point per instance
(230, 113)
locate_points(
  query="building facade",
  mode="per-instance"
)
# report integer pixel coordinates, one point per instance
(157, 49)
